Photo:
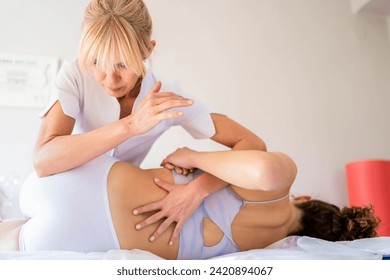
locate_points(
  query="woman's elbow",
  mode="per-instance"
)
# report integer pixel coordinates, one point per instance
(42, 167)
(257, 143)
(285, 170)
(40, 170)
(276, 171)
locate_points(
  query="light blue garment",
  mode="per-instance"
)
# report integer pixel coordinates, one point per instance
(220, 207)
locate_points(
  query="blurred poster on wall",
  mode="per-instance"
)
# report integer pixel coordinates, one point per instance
(25, 80)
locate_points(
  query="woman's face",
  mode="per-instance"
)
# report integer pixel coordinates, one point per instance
(117, 83)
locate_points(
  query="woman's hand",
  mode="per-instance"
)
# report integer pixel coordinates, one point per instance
(154, 108)
(181, 161)
(179, 204)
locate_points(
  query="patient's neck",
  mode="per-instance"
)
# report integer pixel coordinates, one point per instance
(295, 220)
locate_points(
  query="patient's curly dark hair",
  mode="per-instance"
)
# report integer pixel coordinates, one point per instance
(327, 221)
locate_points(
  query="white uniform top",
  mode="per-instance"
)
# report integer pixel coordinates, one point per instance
(83, 99)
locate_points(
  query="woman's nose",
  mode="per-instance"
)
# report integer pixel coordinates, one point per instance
(112, 78)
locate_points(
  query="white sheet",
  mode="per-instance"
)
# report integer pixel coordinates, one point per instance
(290, 248)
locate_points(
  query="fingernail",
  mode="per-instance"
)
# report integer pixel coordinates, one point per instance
(170, 243)
(137, 226)
(151, 239)
(190, 101)
(135, 212)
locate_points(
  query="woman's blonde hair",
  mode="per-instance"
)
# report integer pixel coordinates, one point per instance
(116, 31)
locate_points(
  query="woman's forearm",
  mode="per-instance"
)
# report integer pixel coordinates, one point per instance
(234, 136)
(62, 153)
(250, 169)
(211, 182)
(235, 167)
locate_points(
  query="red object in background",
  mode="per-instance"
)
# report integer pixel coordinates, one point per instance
(369, 183)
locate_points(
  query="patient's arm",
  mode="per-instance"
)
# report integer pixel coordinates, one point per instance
(249, 169)
(182, 201)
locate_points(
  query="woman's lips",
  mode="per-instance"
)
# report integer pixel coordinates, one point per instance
(115, 89)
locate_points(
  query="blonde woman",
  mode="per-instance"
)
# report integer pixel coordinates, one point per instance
(89, 208)
(108, 102)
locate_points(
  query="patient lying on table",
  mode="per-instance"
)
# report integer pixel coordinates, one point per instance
(90, 208)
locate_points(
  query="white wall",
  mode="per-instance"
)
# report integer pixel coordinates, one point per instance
(306, 75)
(38, 27)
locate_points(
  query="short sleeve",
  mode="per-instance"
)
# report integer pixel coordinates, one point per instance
(197, 119)
(67, 90)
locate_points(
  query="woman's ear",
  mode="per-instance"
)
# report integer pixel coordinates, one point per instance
(151, 48)
(302, 198)
(152, 44)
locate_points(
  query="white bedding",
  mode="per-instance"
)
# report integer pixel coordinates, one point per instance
(290, 248)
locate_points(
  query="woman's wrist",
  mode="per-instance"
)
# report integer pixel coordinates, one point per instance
(206, 184)
(127, 127)
(201, 160)
(194, 159)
